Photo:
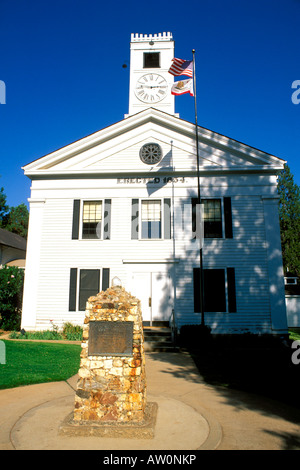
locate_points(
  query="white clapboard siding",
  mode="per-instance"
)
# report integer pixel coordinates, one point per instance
(107, 165)
(245, 252)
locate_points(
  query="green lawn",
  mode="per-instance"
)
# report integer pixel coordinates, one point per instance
(294, 334)
(30, 362)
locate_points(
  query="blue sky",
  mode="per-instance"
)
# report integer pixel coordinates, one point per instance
(61, 62)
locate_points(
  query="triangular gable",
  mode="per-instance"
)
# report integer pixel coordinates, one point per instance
(116, 149)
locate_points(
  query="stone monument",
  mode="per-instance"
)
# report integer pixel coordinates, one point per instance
(110, 398)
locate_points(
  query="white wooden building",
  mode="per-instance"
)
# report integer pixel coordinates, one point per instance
(119, 205)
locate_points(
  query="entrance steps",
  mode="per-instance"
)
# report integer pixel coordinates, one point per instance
(158, 339)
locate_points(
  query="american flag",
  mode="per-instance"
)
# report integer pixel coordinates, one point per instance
(181, 67)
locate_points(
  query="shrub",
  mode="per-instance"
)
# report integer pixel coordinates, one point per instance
(44, 335)
(69, 332)
(72, 332)
(11, 294)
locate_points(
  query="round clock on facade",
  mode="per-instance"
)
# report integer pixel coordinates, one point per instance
(151, 88)
(151, 154)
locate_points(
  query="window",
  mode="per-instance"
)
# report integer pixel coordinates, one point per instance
(217, 213)
(92, 219)
(212, 218)
(89, 284)
(290, 280)
(151, 60)
(151, 219)
(218, 290)
(214, 290)
(150, 154)
(83, 284)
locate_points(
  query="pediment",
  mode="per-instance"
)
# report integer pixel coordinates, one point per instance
(117, 149)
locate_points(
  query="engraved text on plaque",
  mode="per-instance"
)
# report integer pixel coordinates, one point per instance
(110, 338)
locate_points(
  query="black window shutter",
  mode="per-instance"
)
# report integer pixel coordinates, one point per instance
(228, 217)
(73, 289)
(107, 219)
(105, 278)
(196, 285)
(231, 290)
(76, 215)
(167, 218)
(195, 201)
(134, 219)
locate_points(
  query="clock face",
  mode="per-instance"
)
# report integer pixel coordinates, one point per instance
(151, 88)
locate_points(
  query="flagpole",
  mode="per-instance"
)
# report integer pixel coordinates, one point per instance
(198, 229)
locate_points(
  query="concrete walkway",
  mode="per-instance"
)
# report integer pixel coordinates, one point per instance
(191, 415)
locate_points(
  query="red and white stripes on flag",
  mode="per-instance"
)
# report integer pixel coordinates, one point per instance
(181, 67)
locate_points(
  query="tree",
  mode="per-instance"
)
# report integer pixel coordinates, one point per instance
(289, 215)
(3, 207)
(13, 219)
(16, 220)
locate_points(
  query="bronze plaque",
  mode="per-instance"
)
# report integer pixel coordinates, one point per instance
(110, 338)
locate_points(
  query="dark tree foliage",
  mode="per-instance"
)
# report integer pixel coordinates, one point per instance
(13, 219)
(3, 206)
(16, 220)
(289, 214)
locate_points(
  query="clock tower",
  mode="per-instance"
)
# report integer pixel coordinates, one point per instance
(150, 83)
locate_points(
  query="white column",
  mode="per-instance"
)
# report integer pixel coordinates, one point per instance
(32, 269)
(275, 267)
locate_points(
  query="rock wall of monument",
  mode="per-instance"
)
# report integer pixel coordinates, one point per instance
(110, 387)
